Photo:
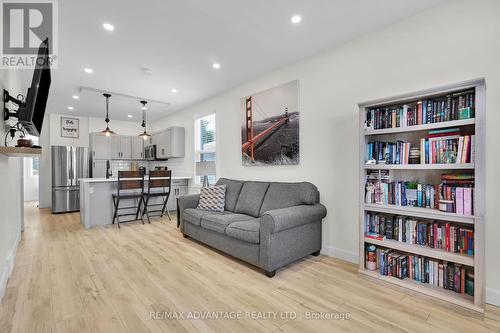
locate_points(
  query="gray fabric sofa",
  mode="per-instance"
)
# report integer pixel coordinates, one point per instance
(268, 225)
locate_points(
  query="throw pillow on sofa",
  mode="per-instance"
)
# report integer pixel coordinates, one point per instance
(213, 198)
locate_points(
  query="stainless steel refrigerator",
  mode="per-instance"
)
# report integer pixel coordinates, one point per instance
(69, 164)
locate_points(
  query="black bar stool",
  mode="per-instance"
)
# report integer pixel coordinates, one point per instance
(158, 179)
(129, 182)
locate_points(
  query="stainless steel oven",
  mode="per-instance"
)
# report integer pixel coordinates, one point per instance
(150, 152)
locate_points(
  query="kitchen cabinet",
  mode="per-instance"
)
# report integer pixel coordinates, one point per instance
(170, 142)
(137, 149)
(179, 188)
(121, 147)
(101, 146)
(126, 147)
(99, 168)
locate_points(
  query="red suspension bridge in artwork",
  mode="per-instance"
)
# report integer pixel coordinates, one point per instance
(248, 147)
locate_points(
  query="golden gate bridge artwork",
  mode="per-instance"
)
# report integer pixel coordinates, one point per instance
(270, 133)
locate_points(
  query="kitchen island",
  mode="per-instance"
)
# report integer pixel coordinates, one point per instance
(96, 202)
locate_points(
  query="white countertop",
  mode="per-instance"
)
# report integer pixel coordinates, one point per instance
(102, 180)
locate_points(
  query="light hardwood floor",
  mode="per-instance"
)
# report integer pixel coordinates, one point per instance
(68, 279)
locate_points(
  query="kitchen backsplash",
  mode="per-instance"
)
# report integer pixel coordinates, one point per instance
(175, 166)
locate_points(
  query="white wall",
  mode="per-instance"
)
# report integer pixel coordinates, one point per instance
(30, 181)
(11, 196)
(51, 136)
(454, 42)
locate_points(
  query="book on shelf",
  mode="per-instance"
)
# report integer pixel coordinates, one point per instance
(446, 236)
(446, 275)
(454, 106)
(442, 196)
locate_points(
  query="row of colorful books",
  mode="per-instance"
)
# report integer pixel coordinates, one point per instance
(455, 193)
(439, 147)
(447, 146)
(439, 235)
(388, 152)
(454, 106)
(451, 276)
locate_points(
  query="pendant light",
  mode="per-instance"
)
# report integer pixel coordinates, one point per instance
(145, 135)
(107, 131)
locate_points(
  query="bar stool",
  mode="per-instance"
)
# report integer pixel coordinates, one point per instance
(158, 179)
(128, 184)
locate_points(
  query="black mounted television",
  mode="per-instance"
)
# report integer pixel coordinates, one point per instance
(30, 114)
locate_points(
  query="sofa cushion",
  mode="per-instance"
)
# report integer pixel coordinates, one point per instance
(284, 195)
(233, 189)
(220, 222)
(213, 198)
(251, 197)
(194, 215)
(247, 231)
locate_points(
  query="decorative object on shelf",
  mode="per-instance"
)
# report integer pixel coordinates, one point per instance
(371, 258)
(270, 129)
(23, 142)
(70, 128)
(144, 135)
(107, 131)
(205, 169)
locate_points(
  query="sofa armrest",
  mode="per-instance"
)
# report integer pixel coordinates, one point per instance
(188, 201)
(285, 218)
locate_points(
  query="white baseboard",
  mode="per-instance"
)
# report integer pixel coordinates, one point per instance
(8, 266)
(340, 254)
(4, 277)
(493, 296)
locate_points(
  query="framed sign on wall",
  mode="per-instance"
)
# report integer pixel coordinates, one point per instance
(70, 128)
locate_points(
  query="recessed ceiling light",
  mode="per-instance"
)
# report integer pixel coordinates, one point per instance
(130, 116)
(296, 19)
(108, 26)
(76, 97)
(174, 90)
(88, 70)
(70, 108)
(216, 65)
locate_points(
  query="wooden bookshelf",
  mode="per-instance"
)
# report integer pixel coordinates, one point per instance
(428, 171)
(21, 151)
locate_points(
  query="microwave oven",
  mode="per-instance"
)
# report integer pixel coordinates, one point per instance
(150, 152)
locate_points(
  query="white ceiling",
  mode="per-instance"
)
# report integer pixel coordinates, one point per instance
(179, 41)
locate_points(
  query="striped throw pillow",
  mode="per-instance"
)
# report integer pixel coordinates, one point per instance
(213, 198)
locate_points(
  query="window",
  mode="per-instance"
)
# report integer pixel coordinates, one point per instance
(205, 143)
(35, 166)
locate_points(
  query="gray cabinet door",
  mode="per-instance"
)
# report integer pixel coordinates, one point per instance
(125, 147)
(101, 147)
(167, 142)
(161, 147)
(115, 147)
(176, 142)
(137, 148)
(176, 191)
(98, 169)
